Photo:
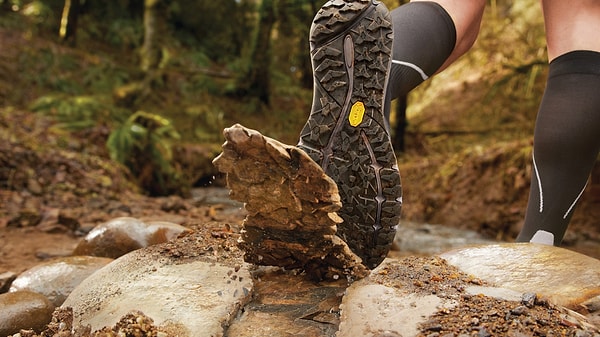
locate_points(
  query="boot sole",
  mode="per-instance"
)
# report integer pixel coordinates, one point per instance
(351, 43)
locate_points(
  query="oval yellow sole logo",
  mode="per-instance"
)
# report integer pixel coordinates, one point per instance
(357, 112)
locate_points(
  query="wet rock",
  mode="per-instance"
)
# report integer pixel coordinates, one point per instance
(374, 309)
(430, 239)
(6, 279)
(291, 206)
(592, 307)
(556, 274)
(124, 234)
(390, 302)
(494, 292)
(187, 289)
(426, 296)
(57, 278)
(286, 304)
(23, 310)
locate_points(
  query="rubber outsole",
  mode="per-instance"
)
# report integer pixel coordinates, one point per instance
(351, 45)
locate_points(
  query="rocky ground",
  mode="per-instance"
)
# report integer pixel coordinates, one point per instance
(51, 198)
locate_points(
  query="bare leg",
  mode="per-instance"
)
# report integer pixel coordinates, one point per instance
(466, 16)
(571, 25)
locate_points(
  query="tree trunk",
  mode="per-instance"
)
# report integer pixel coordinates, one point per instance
(68, 22)
(260, 61)
(154, 29)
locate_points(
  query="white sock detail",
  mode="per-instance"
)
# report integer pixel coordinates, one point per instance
(543, 237)
(413, 66)
(574, 202)
(539, 180)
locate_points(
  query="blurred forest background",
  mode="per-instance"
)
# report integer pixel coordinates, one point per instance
(145, 87)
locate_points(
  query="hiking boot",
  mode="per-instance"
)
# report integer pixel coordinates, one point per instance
(351, 45)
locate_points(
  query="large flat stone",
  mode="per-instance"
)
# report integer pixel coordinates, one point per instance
(387, 303)
(186, 291)
(560, 275)
(427, 296)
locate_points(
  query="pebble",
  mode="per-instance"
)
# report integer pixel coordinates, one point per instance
(24, 310)
(122, 235)
(528, 299)
(57, 278)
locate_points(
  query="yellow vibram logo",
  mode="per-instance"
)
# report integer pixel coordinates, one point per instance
(357, 112)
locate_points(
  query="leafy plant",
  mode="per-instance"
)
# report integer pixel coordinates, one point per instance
(143, 144)
(78, 112)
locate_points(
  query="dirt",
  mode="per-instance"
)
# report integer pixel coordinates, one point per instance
(291, 219)
(477, 314)
(134, 324)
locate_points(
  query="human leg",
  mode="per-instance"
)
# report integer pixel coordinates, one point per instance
(567, 132)
(428, 37)
(351, 47)
(571, 25)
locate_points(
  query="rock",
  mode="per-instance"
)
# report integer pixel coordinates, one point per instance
(390, 302)
(593, 307)
(426, 296)
(287, 304)
(185, 286)
(291, 206)
(134, 323)
(57, 278)
(429, 239)
(6, 279)
(557, 274)
(378, 310)
(23, 310)
(123, 235)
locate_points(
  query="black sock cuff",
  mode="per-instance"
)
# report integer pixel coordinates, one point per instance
(424, 36)
(576, 62)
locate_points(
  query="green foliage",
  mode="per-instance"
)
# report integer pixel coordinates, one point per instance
(206, 121)
(124, 32)
(78, 112)
(196, 66)
(221, 29)
(39, 13)
(143, 144)
(103, 77)
(199, 58)
(48, 70)
(69, 73)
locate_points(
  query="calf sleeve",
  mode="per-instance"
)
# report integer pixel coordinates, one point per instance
(424, 37)
(566, 145)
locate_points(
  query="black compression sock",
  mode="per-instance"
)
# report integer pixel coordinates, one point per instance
(424, 37)
(566, 145)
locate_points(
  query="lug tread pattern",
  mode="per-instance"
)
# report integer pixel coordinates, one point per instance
(359, 159)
